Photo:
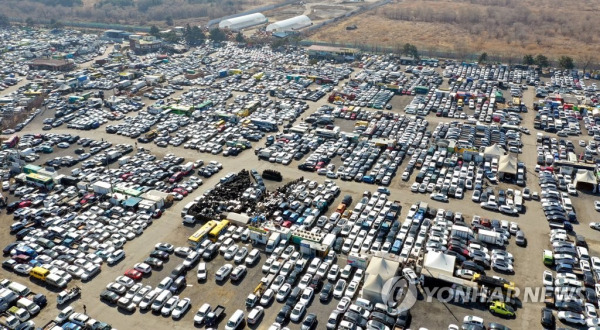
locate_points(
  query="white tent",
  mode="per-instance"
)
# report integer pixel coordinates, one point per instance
(493, 151)
(290, 24)
(242, 22)
(507, 165)
(437, 263)
(585, 180)
(378, 272)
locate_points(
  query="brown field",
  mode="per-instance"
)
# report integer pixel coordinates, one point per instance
(505, 29)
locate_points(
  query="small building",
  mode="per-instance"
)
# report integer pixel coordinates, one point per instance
(51, 64)
(378, 273)
(333, 53)
(586, 181)
(115, 35)
(242, 22)
(290, 24)
(146, 44)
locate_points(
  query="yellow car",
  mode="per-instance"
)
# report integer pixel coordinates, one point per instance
(501, 309)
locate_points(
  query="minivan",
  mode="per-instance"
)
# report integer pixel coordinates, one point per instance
(161, 300)
(235, 321)
(39, 272)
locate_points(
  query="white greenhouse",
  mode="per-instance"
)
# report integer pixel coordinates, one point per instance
(290, 24)
(242, 22)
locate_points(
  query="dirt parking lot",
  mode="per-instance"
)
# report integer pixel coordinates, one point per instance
(433, 315)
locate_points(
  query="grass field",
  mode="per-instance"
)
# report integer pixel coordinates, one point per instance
(504, 28)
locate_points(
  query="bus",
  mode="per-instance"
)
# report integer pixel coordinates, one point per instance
(201, 234)
(39, 181)
(218, 230)
(11, 142)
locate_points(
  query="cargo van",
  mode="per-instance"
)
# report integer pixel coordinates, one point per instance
(39, 272)
(161, 300)
(583, 253)
(19, 289)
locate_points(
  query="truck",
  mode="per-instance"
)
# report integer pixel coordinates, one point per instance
(494, 282)
(102, 188)
(519, 203)
(214, 316)
(67, 295)
(187, 168)
(462, 232)
(490, 237)
(274, 239)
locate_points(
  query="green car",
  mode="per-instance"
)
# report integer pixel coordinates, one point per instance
(501, 309)
(548, 258)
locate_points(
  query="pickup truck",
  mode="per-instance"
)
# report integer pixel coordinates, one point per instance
(214, 316)
(67, 295)
(50, 325)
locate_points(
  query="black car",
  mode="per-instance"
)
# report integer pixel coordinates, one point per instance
(310, 322)
(326, 292)
(9, 247)
(403, 319)
(383, 318)
(590, 295)
(178, 271)
(293, 278)
(153, 262)
(109, 296)
(473, 266)
(162, 255)
(178, 285)
(316, 283)
(547, 318)
(293, 297)
(284, 314)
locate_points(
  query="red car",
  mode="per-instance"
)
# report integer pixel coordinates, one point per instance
(133, 274)
(156, 214)
(24, 204)
(181, 191)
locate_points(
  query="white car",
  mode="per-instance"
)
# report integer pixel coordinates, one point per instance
(140, 294)
(283, 292)
(252, 257)
(597, 206)
(267, 297)
(143, 268)
(191, 259)
(115, 257)
(590, 311)
(278, 282)
(466, 274)
(572, 318)
(230, 252)
(223, 272)
(298, 312)
(339, 288)
(307, 296)
(509, 210)
(169, 306)
(333, 273)
(595, 225)
(343, 305)
(351, 289)
(181, 308)
(548, 278)
(304, 281)
(439, 197)
(201, 273)
(201, 314)
(414, 187)
(240, 255)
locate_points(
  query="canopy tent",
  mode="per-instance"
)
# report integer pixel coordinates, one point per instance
(437, 263)
(507, 166)
(586, 181)
(493, 151)
(378, 272)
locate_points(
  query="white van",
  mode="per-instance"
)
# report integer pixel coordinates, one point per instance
(161, 300)
(19, 289)
(583, 253)
(29, 305)
(235, 321)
